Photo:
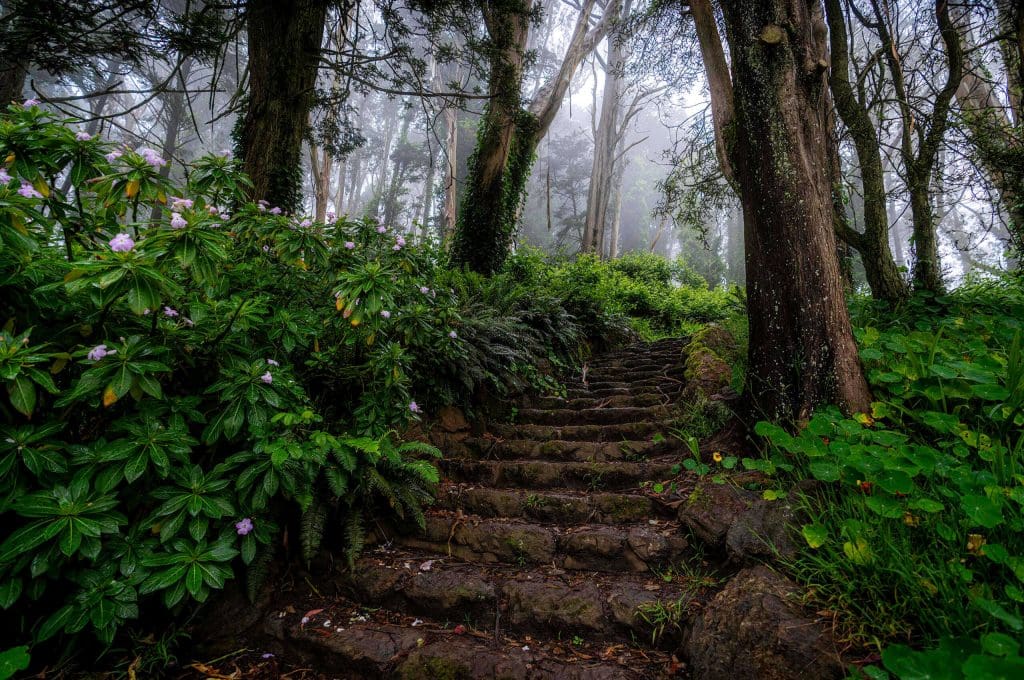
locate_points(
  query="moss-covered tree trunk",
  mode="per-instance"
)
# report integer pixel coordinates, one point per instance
(285, 41)
(802, 352)
(498, 167)
(873, 244)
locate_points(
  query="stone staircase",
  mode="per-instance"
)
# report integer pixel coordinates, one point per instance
(546, 555)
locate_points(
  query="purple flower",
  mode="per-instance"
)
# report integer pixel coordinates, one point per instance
(267, 655)
(177, 221)
(381, 229)
(263, 202)
(145, 312)
(151, 157)
(350, 245)
(267, 378)
(28, 103)
(243, 527)
(396, 247)
(414, 407)
(113, 156)
(424, 290)
(188, 322)
(330, 216)
(83, 136)
(386, 314)
(275, 211)
(226, 153)
(266, 248)
(262, 208)
(452, 334)
(28, 191)
(4, 177)
(225, 216)
(400, 240)
(305, 223)
(170, 311)
(180, 203)
(99, 351)
(271, 362)
(122, 243)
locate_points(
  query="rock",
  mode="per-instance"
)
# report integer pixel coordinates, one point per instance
(707, 374)
(452, 419)
(712, 509)
(753, 628)
(715, 337)
(762, 532)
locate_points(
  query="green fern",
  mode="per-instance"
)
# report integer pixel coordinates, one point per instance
(312, 527)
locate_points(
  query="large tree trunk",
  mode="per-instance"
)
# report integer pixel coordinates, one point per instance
(284, 52)
(508, 136)
(873, 245)
(12, 83)
(802, 353)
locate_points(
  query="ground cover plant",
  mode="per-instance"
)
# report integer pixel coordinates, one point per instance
(914, 529)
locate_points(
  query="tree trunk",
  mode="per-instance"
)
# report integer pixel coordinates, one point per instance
(12, 83)
(616, 216)
(339, 199)
(873, 245)
(451, 185)
(284, 50)
(719, 82)
(508, 136)
(802, 353)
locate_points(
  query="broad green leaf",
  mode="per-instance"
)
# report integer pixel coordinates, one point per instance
(815, 534)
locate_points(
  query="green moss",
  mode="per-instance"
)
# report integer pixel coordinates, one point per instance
(435, 669)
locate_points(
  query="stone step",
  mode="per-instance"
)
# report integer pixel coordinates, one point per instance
(380, 648)
(546, 474)
(539, 601)
(613, 401)
(577, 391)
(490, 447)
(637, 362)
(591, 433)
(593, 416)
(633, 374)
(560, 506)
(594, 547)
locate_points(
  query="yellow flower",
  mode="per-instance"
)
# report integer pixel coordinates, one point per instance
(910, 519)
(975, 542)
(717, 456)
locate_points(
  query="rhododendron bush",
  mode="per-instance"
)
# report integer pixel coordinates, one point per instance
(185, 372)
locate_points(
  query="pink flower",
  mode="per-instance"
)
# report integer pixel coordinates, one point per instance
(151, 157)
(424, 290)
(244, 527)
(305, 223)
(271, 362)
(267, 378)
(28, 103)
(400, 240)
(262, 208)
(83, 136)
(226, 153)
(170, 311)
(452, 334)
(396, 247)
(350, 245)
(275, 211)
(386, 314)
(414, 407)
(4, 177)
(188, 322)
(122, 243)
(179, 203)
(28, 191)
(98, 352)
(263, 203)
(177, 221)
(330, 216)
(113, 156)
(381, 229)
(266, 248)
(225, 216)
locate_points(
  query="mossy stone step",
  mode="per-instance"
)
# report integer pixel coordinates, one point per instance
(431, 651)
(591, 433)
(542, 600)
(668, 389)
(594, 547)
(556, 507)
(634, 374)
(613, 401)
(553, 450)
(546, 474)
(595, 416)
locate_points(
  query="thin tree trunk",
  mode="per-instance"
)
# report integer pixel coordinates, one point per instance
(451, 186)
(802, 353)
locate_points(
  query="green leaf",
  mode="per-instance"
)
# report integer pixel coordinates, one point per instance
(10, 591)
(997, 611)
(999, 644)
(908, 664)
(982, 511)
(886, 506)
(992, 668)
(825, 470)
(895, 481)
(815, 534)
(23, 395)
(13, 660)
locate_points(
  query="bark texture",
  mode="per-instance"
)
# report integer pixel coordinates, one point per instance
(284, 51)
(802, 352)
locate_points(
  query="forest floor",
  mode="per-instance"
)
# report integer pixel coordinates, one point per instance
(570, 543)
